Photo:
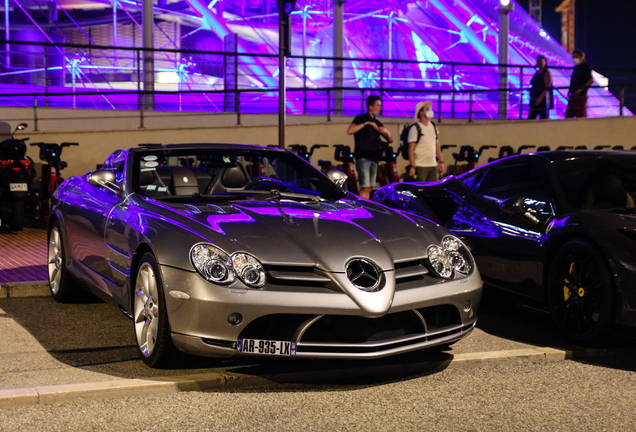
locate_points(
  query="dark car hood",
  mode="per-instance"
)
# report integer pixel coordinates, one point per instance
(326, 235)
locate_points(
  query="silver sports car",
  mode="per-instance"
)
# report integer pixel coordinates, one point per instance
(224, 249)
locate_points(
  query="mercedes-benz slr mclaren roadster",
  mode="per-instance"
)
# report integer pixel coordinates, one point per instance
(222, 249)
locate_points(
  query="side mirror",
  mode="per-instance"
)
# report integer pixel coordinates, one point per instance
(338, 177)
(103, 179)
(516, 206)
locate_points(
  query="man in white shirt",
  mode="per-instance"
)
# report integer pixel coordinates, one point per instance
(424, 146)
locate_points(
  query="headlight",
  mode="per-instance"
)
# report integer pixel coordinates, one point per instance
(249, 269)
(212, 263)
(458, 254)
(439, 262)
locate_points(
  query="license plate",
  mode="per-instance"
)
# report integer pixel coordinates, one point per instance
(269, 347)
(18, 187)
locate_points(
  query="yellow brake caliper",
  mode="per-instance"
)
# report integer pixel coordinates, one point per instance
(566, 290)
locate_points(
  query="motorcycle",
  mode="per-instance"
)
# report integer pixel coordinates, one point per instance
(51, 171)
(17, 172)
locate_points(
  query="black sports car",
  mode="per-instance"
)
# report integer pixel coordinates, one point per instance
(554, 228)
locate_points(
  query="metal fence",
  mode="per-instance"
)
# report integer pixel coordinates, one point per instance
(106, 77)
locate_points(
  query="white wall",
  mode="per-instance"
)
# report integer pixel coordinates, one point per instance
(99, 133)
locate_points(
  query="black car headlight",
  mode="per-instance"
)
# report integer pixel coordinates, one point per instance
(249, 269)
(439, 261)
(213, 263)
(458, 254)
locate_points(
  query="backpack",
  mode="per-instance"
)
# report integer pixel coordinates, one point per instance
(404, 138)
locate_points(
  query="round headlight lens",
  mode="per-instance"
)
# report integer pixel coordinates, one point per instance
(439, 261)
(212, 263)
(249, 269)
(458, 254)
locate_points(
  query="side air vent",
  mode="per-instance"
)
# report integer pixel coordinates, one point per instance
(192, 208)
(216, 208)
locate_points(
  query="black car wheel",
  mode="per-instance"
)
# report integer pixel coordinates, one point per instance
(152, 329)
(60, 283)
(580, 292)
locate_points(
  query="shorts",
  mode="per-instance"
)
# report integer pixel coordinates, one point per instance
(426, 174)
(367, 173)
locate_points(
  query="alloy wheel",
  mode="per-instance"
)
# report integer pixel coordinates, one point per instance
(55, 260)
(579, 305)
(146, 309)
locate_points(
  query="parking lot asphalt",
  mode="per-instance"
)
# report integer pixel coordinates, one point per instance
(90, 347)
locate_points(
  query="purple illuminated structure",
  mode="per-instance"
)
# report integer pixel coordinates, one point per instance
(397, 48)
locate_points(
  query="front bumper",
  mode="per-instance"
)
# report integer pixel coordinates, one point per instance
(323, 323)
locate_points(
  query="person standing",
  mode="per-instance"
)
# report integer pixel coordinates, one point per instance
(540, 85)
(367, 131)
(579, 83)
(424, 146)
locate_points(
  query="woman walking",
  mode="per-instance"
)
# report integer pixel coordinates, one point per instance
(540, 85)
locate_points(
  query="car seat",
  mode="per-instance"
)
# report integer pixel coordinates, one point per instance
(233, 178)
(151, 183)
(183, 182)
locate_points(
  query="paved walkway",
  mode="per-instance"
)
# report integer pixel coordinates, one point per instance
(23, 256)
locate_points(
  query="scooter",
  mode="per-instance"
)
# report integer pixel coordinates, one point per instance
(301, 150)
(344, 155)
(17, 172)
(387, 172)
(51, 171)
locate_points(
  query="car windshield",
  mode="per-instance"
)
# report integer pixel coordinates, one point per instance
(596, 183)
(227, 173)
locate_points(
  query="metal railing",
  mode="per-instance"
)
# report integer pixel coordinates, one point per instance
(107, 77)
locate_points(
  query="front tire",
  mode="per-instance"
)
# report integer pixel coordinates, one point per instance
(150, 317)
(581, 293)
(60, 282)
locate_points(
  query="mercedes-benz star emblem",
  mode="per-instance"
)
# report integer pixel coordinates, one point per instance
(363, 274)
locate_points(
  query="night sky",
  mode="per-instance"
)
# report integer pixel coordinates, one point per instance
(605, 29)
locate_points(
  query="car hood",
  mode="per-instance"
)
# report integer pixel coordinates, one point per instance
(317, 234)
(323, 234)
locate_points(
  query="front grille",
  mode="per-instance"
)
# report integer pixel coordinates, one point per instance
(355, 336)
(353, 330)
(295, 276)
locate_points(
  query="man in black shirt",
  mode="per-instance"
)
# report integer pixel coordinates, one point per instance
(579, 83)
(367, 130)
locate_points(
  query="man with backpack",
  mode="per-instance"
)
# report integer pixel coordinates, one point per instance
(367, 131)
(423, 145)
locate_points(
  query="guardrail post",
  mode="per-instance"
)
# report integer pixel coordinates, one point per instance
(141, 112)
(362, 101)
(622, 100)
(35, 113)
(224, 82)
(439, 106)
(521, 93)
(237, 98)
(382, 82)
(470, 107)
(453, 90)
(328, 105)
(139, 100)
(46, 75)
(304, 85)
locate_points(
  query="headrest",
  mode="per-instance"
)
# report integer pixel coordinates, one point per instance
(183, 177)
(234, 178)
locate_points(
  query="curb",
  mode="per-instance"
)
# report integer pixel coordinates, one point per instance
(24, 289)
(221, 381)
